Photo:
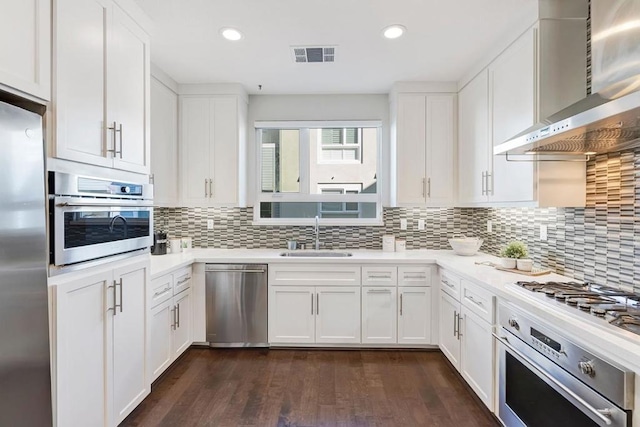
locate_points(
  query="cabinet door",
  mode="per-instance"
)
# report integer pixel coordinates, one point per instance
(195, 150)
(25, 46)
(513, 105)
(161, 351)
(477, 355)
(128, 88)
(411, 146)
(80, 123)
(164, 142)
(473, 139)
(130, 382)
(291, 314)
(338, 315)
(379, 315)
(440, 150)
(183, 313)
(224, 150)
(414, 315)
(449, 310)
(84, 311)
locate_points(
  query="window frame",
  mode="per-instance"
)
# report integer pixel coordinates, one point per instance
(304, 196)
(342, 147)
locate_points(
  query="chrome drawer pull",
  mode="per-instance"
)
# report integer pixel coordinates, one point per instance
(379, 277)
(448, 284)
(162, 292)
(416, 277)
(379, 291)
(186, 279)
(473, 300)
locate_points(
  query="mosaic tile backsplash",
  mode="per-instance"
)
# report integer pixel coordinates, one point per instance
(599, 243)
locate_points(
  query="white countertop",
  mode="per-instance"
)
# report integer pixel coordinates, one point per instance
(624, 347)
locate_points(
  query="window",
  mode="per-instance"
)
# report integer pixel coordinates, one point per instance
(327, 169)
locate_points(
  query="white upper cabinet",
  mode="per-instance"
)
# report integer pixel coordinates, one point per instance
(164, 144)
(210, 145)
(25, 46)
(102, 76)
(506, 98)
(474, 156)
(425, 147)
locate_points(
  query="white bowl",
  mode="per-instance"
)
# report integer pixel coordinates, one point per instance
(465, 246)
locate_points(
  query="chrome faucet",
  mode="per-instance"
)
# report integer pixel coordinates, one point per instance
(316, 230)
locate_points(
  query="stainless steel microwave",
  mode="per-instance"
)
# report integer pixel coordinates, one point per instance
(92, 218)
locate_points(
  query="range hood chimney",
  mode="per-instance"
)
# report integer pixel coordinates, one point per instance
(608, 120)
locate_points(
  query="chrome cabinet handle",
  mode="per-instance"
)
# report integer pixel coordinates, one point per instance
(401, 304)
(114, 298)
(103, 205)
(173, 318)
(448, 284)
(312, 304)
(476, 302)
(379, 277)
(484, 191)
(424, 185)
(210, 188)
(415, 277)
(186, 279)
(115, 150)
(206, 189)
(318, 304)
(119, 284)
(235, 271)
(429, 187)
(178, 316)
(455, 323)
(600, 413)
(162, 292)
(120, 131)
(378, 291)
(489, 179)
(459, 328)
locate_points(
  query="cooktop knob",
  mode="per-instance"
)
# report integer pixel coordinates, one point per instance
(125, 190)
(587, 368)
(513, 322)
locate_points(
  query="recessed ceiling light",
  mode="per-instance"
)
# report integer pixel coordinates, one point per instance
(231, 34)
(393, 31)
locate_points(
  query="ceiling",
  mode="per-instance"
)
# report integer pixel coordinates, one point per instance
(444, 39)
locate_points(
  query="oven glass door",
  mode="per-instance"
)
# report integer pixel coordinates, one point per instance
(90, 229)
(534, 391)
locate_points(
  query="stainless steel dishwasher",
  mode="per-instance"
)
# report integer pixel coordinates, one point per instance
(236, 305)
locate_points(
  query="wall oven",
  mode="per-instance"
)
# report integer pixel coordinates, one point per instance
(547, 380)
(93, 218)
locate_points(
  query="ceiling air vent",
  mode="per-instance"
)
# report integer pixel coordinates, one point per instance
(314, 54)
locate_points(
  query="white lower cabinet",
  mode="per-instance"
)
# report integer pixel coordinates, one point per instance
(171, 319)
(100, 344)
(379, 315)
(414, 315)
(307, 314)
(466, 338)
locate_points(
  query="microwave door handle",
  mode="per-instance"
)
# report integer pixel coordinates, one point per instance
(552, 381)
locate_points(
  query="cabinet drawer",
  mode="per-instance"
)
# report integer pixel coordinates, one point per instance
(379, 276)
(451, 284)
(161, 290)
(414, 275)
(182, 280)
(314, 275)
(478, 300)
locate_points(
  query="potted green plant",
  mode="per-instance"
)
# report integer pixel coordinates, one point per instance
(513, 253)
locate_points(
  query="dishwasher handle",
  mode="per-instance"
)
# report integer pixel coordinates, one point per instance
(236, 271)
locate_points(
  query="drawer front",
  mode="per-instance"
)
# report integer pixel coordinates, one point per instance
(478, 300)
(379, 275)
(314, 275)
(161, 289)
(182, 280)
(451, 284)
(414, 275)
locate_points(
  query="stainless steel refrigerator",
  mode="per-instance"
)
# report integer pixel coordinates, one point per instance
(25, 378)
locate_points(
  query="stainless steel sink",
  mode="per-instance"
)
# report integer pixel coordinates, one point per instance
(307, 254)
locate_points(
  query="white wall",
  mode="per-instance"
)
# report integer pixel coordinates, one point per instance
(318, 107)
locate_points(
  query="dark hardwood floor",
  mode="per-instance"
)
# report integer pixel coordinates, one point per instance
(310, 388)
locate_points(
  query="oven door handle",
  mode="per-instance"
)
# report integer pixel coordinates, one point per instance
(600, 413)
(102, 205)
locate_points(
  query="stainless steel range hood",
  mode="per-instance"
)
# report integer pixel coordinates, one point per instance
(608, 120)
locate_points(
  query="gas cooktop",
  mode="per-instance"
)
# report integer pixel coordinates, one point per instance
(619, 308)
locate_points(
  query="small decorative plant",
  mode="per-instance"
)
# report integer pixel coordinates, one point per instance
(515, 249)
